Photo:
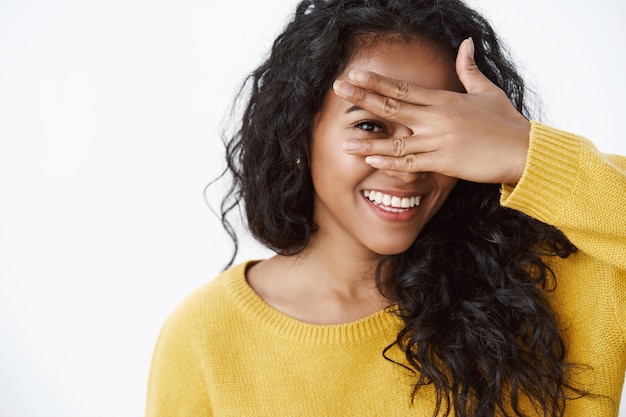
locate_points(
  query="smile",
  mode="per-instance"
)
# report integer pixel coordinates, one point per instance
(392, 202)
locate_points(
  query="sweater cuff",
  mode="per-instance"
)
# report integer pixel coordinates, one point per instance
(549, 176)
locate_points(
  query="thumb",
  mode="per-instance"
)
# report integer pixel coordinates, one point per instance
(470, 76)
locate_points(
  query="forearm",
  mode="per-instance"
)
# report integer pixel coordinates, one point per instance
(569, 184)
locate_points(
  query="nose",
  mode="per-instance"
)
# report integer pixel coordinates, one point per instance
(405, 177)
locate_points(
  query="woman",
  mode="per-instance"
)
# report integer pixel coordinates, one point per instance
(437, 253)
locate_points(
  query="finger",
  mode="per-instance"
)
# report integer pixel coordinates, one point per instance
(386, 107)
(407, 163)
(395, 147)
(389, 87)
(469, 74)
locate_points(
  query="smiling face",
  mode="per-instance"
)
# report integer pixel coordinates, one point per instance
(357, 207)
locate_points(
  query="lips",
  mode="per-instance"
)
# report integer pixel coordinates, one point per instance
(392, 202)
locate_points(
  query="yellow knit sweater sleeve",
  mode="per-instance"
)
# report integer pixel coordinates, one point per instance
(569, 184)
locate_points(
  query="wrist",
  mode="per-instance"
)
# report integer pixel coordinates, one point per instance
(519, 153)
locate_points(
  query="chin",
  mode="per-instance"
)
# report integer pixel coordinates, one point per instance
(391, 248)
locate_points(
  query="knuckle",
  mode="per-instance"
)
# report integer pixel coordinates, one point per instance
(410, 163)
(402, 89)
(391, 107)
(360, 95)
(398, 146)
(451, 99)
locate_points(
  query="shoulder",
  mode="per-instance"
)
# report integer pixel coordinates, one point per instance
(198, 334)
(209, 306)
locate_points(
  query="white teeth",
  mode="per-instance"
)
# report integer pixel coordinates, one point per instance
(392, 201)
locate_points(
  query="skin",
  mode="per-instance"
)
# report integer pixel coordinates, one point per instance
(478, 136)
(404, 138)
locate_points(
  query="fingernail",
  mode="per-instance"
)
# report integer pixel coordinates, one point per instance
(374, 160)
(351, 145)
(359, 76)
(343, 88)
(471, 47)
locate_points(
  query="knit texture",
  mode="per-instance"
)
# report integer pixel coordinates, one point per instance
(225, 352)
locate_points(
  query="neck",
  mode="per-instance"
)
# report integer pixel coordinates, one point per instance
(327, 283)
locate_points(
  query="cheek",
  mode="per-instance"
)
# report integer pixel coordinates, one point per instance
(330, 164)
(445, 185)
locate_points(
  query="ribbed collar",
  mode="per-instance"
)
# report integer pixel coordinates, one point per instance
(383, 323)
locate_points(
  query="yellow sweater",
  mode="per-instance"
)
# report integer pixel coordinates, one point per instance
(224, 352)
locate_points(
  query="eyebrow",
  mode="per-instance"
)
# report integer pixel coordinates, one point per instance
(354, 108)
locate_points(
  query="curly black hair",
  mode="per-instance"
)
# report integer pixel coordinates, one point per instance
(471, 288)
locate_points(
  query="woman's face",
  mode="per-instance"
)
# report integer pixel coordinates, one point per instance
(358, 207)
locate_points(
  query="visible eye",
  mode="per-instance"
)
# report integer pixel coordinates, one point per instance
(370, 126)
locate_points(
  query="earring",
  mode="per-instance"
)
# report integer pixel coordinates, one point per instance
(299, 163)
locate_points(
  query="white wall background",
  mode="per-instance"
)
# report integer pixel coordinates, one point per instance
(109, 120)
